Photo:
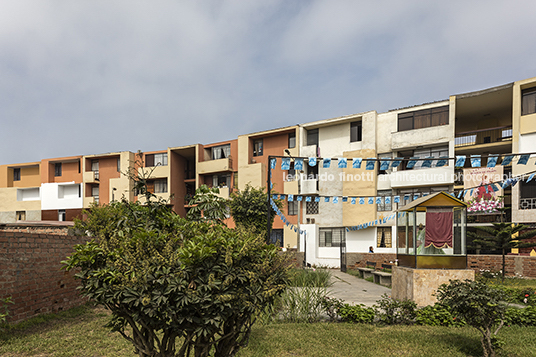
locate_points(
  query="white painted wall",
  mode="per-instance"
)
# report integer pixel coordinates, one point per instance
(433, 176)
(325, 256)
(62, 195)
(360, 241)
(28, 194)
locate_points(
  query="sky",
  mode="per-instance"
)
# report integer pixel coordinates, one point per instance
(90, 77)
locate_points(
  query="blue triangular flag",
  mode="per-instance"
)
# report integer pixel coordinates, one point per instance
(370, 163)
(442, 161)
(274, 197)
(317, 199)
(513, 182)
(308, 199)
(326, 163)
(312, 161)
(530, 178)
(285, 163)
(361, 200)
(492, 160)
(326, 199)
(353, 201)
(507, 160)
(384, 165)
(388, 200)
(475, 160)
(299, 198)
(290, 198)
(396, 162)
(427, 162)
(336, 199)
(356, 162)
(342, 163)
(460, 194)
(298, 164)
(397, 199)
(344, 199)
(415, 196)
(370, 200)
(460, 161)
(523, 159)
(378, 200)
(494, 188)
(412, 161)
(273, 163)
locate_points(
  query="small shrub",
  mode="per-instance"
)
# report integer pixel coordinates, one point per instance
(310, 278)
(437, 315)
(357, 313)
(4, 311)
(521, 317)
(331, 306)
(395, 312)
(303, 304)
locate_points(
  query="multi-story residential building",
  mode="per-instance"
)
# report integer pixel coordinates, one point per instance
(496, 121)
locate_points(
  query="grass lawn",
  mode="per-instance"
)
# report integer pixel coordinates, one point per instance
(80, 332)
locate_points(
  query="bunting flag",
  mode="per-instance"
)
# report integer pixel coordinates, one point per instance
(530, 178)
(361, 200)
(412, 161)
(384, 165)
(442, 161)
(505, 184)
(274, 197)
(299, 198)
(388, 200)
(523, 159)
(507, 160)
(427, 162)
(317, 199)
(312, 161)
(353, 200)
(308, 199)
(335, 199)
(285, 163)
(513, 182)
(370, 200)
(326, 163)
(326, 199)
(460, 194)
(370, 163)
(344, 199)
(356, 162)
(273, 163)
(475, 160)
(492, 160)
(415, 196)
(298, 164)
(494, 188)
(396, 162)
(342, 163)
(486, 186)
(378, 200)
(460, 161)
(397, 199)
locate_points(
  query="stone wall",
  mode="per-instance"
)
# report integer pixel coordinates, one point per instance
(30, 272)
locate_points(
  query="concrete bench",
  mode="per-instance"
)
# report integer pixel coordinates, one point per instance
(382, 278)
(367, 272)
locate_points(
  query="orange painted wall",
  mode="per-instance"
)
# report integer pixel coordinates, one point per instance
(107, 171)
(71, 170)
(30, 175)
(177, 187)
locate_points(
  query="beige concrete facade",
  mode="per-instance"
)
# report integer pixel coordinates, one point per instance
(420, 285)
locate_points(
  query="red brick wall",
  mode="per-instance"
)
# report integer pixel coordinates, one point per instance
(30, 273)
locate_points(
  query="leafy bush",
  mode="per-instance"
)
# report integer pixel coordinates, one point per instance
(395, 312)
(331, 306)
(4, 311)
(521, 317)
(479, 305)
(357, 313)
(437, 315)
(166, 279)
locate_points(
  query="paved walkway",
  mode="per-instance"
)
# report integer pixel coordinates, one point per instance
(354, 290)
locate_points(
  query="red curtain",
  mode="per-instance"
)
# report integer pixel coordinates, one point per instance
(438, 229)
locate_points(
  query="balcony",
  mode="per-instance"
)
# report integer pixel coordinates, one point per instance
(91, 176)
(499, 135)
(213, 166)
(309, 187)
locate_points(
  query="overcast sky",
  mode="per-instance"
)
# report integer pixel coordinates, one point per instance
(89, 77)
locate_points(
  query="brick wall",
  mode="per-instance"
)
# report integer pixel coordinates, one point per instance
(515, 264)
(30, 273)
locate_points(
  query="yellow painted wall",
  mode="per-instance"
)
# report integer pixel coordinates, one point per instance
(8, 201)
(365, 186)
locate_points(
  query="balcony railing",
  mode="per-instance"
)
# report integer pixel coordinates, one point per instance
(483, 136)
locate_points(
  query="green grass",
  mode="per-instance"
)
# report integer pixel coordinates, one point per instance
(310, 278)
(80, 333)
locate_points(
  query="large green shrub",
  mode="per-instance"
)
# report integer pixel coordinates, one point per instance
(395, 312)
(437, 315)
(177, 287)
(479, 305)
(357, 313)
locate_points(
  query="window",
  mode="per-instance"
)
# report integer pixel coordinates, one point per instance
(118, 164)
(16, 174)
(95, 165)
(160, 186)
(95, 191)
(20, 215)
(423, 118)
(61, 215)
(57, 169)
(384, 237)
(527, 195)
(257, 147)
(292, 208)
(435, 152)
(221, 181)
(292, 140)
(311, 208)
(291, 173)
(355, 131)
(528, 101)
(312, 137)
(331, 237)
(156, 160)
(381, 207)
(221, 152)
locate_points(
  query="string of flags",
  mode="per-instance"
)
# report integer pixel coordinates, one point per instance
(384, 164)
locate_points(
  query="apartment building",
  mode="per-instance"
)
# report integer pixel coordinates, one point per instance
(490, 124)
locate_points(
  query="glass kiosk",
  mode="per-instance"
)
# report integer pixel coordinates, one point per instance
(432, 233)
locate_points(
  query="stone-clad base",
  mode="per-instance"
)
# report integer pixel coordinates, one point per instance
(420, 285)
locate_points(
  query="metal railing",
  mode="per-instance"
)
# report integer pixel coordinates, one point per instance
(483, 136)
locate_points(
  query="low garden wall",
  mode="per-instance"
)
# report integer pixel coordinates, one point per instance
(30, 272)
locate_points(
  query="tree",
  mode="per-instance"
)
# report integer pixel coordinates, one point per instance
(249, 209)
(479, 305)
(176, 287)
(503, 236)
(208, 206)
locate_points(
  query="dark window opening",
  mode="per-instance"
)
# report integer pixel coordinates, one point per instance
(312, 137)
(423, 118)
(292, 140)
(257, 147)
(528, 101)
(356, 131)
(16, 174)
(57, 169)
